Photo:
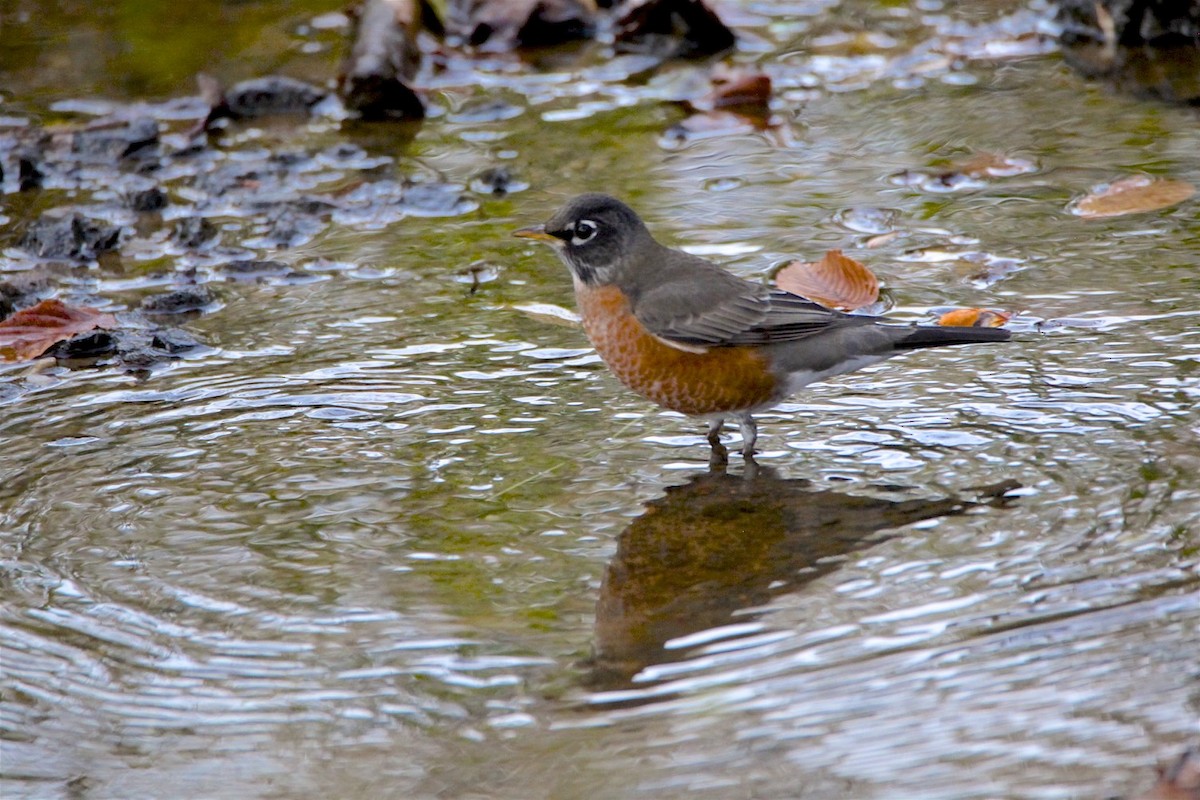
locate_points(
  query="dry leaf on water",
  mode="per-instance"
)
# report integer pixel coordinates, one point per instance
(836, 281)
(29, 333)
(1180, 780)
(1133, 195)
(994, 165)
(974, 318)
(742, 88)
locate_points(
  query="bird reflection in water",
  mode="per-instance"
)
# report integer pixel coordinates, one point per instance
(723, 543)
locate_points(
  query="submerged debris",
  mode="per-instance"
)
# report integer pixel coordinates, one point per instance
(1178, 781)
(148, 200)
(180, 301)
(376, 79)
(72, 238)
(672, 29)
(21, 291)
(498, 25)
(258, 97)
(194, 233)
(1149, 48)
(29, 333)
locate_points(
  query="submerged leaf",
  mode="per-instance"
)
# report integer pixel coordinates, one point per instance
(974, 318)
(29, 333)
(1133, 195)
(836, 281)
(742, 88)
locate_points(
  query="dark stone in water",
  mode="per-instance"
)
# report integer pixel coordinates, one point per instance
(108, 140)
(173, 341)
(180, 301)
(496, 181)
(147, 200)
(376, 77)
(93, 344)
(274, 94)
(672, 29)
(194, 232)
(22, 291)
(135, 349)
(1130, 23)
(498, 25)
(29, 177)
(73, 237)
(254, 270)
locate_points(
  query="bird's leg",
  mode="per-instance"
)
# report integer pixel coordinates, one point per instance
(714, 431)
(720, 456)
(749, 434)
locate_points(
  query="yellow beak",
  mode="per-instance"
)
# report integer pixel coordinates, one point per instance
(537, 232)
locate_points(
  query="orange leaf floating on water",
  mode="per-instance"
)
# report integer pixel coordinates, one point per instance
(30, 332)
(974, 318)
(1132, 195)
(995, 165)
(743, 88)
(836, 281)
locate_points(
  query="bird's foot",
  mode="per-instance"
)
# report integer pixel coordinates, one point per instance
(719, 456)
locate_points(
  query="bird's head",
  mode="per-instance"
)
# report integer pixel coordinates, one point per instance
(596, 236)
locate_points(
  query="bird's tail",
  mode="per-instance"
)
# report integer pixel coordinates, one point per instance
(939, 336)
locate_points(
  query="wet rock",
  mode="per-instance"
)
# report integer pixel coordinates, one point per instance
(29, 176)
(136, 348)
(105, 141)
(22, 290)
(1149, 48)
(148, 200)
(253, 271)
(72, 238)
(496, 181)
(1169, 74)
(498, 25)
(1130, 23)
(90, 345)
(376, 78)
(435, 200)
(194, 232)
(672, 29)
(180, 301)
(490, 110)
(173, 341)
(259, 97)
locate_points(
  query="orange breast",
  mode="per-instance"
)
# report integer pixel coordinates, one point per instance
(722, 379)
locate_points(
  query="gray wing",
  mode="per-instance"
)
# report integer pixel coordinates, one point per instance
(720, 309)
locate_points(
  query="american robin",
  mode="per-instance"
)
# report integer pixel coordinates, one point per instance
(691, 337)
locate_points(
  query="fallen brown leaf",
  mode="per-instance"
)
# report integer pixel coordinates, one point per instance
(1178, 781)
(744, 88)
(836, 281)
(974, 318)
(1133, 195)
(994, 165)
(28, 333)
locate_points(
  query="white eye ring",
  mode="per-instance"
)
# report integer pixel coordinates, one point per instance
(585, 229)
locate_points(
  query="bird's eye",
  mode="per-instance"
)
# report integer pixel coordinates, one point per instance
(585, 229)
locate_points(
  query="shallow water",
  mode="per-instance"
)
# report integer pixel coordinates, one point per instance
(388, 536)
